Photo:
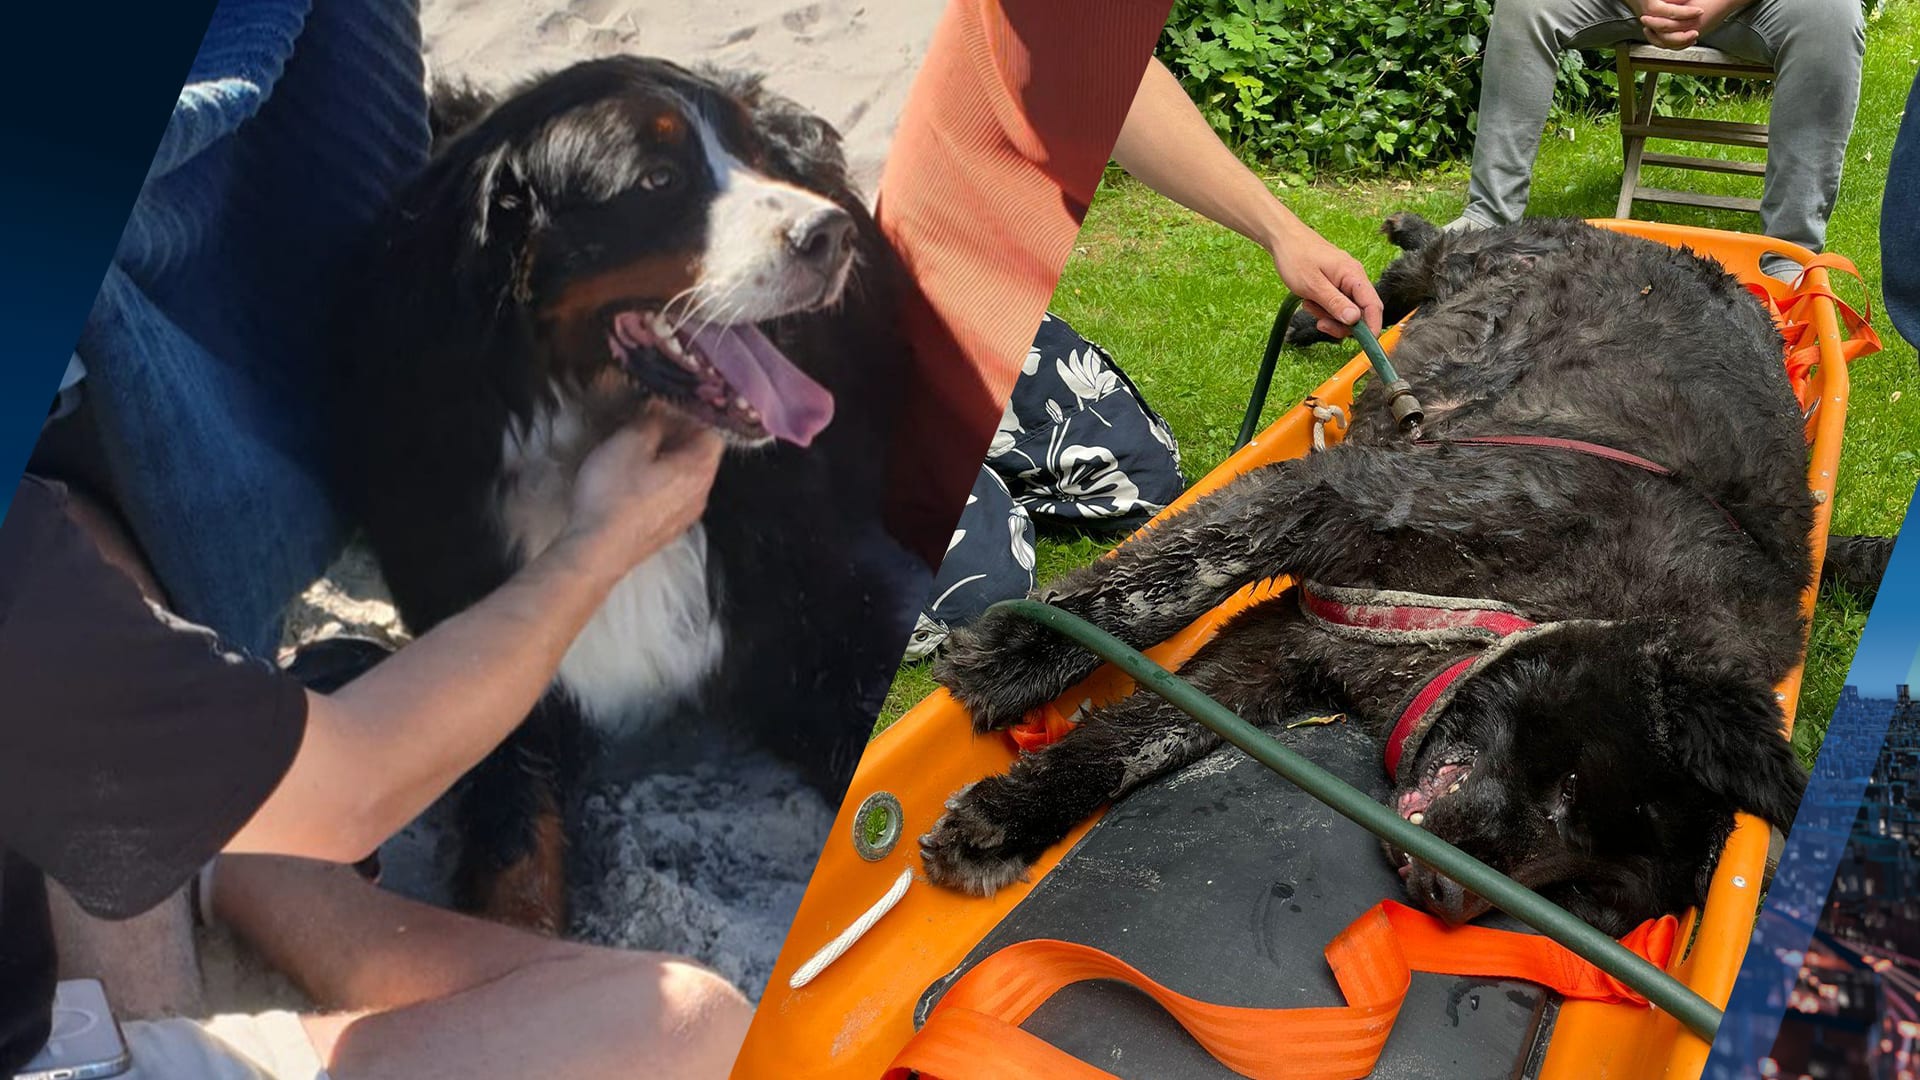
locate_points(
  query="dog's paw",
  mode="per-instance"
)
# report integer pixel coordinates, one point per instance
(1409, 231)
(968, 849)
(1304, 329)
(1004, 665)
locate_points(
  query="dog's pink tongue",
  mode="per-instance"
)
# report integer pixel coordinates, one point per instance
(791, 405)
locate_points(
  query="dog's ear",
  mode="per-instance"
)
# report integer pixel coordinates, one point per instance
(505, 210)
(1722, 728)
(806, 149)
(504, 201)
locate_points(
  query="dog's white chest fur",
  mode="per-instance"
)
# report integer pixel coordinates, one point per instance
(654, 639)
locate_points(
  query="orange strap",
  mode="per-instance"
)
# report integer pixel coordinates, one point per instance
(1790, 306)
(974, 1032)
(1041, 727)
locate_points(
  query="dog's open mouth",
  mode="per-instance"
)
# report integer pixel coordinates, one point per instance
(1443, 777)
(730, 377)
(1436, 782)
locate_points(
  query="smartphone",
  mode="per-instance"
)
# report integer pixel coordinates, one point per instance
(85, 1042)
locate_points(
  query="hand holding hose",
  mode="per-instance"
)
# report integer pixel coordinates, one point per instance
(1331, 283)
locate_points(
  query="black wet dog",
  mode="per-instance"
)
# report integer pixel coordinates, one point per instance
(1600, 760)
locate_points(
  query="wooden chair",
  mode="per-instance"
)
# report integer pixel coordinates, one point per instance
(1640, 68)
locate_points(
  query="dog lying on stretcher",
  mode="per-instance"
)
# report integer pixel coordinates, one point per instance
(1563, 608)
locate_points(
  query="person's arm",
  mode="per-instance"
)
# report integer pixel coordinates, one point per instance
(1167, 145)
(382, 748)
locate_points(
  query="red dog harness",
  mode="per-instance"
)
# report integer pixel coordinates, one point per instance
(1380, 617)
(1393, 617)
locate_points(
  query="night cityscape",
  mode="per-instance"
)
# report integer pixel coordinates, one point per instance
(1855, 1010)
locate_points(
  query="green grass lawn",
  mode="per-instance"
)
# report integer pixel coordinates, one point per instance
(1185, 305)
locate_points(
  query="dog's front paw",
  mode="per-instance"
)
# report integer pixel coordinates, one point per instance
(1003, 665)
(968, 849)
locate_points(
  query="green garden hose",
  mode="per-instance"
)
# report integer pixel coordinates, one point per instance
(1663, 990)
(1406, 407)
(1257, 403)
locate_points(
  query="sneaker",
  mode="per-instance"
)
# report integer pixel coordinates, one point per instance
(1780, 268)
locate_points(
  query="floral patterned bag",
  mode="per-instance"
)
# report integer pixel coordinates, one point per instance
(989, 559)
(1077, 447)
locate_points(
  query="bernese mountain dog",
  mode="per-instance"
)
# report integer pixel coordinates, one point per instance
(619, 233)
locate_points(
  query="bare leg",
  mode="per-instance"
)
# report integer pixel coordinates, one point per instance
(427, 992)
(147, 962)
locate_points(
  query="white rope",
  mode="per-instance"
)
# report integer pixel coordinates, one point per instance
(1321, 415)
(836, 948)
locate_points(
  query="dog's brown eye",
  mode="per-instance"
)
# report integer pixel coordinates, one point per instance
(658, 178)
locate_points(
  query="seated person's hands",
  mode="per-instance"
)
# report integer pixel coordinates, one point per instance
(644, 486)
(1668, 25)
(1681, 25)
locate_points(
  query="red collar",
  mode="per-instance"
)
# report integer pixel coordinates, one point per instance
(1591, 449)
(1387, 616)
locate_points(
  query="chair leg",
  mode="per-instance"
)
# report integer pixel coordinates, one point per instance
(1631, 146)
(1636, 145)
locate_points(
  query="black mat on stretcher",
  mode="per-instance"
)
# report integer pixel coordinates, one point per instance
(1225, 882)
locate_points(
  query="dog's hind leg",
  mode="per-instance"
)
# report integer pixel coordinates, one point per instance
(996, 828)
(1857, 563)
(1409, 231)
(513, 851)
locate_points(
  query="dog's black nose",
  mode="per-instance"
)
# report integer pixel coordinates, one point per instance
(1444, 897)
(822, 237)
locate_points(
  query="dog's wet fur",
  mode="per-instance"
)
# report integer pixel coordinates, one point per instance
(1600, 763)
(512, 312)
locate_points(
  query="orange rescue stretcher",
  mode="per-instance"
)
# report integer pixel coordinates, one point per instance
(852, 1016)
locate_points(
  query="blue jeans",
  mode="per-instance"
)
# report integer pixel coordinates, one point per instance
(206, 350)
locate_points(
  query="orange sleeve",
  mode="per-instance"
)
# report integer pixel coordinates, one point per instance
(999, 149)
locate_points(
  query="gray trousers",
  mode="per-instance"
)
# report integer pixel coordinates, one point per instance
(1816, 47)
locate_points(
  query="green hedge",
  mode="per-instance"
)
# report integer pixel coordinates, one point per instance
(1360, 85)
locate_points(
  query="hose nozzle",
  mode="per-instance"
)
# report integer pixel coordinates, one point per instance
(1406, 408)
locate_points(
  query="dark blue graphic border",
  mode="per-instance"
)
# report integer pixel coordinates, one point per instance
(88, 89)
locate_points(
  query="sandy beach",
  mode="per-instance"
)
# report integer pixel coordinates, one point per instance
(850, 62)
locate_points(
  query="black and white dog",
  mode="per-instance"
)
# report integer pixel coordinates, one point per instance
(1563, 610)
(623, 232)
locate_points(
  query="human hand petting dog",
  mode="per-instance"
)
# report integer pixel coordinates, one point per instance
(1681, 25)
(435, 708)
(642, 487)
